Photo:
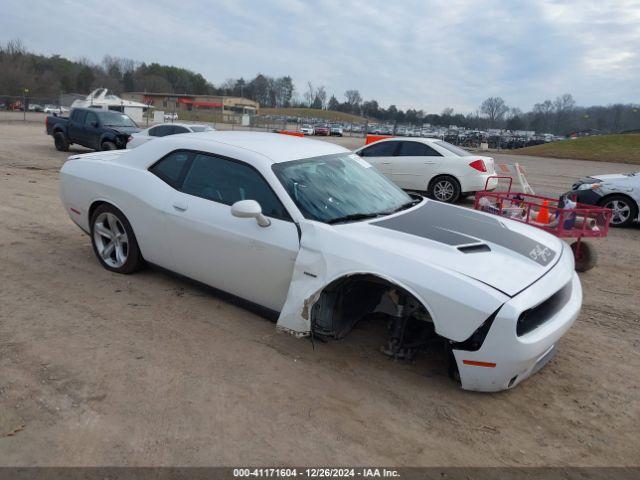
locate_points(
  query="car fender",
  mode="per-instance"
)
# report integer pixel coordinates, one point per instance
(325, 257)
(109, 136)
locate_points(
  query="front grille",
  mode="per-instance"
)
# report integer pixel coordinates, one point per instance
(531, 319)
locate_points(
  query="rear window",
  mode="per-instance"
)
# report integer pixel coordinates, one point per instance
(460, 152)
(171, 167)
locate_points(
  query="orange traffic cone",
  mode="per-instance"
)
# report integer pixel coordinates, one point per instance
(543, 214)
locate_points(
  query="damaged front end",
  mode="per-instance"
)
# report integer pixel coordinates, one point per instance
(347, 301)
(323, 308)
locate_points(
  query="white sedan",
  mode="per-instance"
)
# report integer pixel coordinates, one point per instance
(163, 130)
(307, 130)
(310, 231)
(441, 170)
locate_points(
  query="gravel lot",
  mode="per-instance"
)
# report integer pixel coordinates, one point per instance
(105, 369)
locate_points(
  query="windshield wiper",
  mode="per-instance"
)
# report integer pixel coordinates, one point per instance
(363, 216)
(354, 216)
(404, 206)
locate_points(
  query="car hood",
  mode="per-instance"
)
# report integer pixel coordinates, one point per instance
(504, 254)
(608, 177)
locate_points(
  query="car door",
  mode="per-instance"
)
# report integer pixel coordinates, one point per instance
(75, 126)
(380, 155)
(90, 135)
(416, 163)
(233, 254)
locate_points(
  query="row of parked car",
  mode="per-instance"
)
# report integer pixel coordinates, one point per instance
(431, 166)
(322, 130)
(49, 108)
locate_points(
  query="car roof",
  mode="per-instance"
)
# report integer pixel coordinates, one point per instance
(426, 140)
(408, 139)
(178, 124)
(270, 147)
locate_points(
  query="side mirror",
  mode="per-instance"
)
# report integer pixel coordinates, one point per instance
(93, 123)
(250, 209)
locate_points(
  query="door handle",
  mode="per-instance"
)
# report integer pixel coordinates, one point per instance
(429, 163)
(180, 205)
(386, 163)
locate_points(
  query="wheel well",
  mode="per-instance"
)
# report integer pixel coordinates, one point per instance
(97, 203)
(604, 199)
(93, 207)
(346, 301)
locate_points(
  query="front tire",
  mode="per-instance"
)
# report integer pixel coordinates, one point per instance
(113, 240)
(625, 211)
(444, 188)
(108, 146)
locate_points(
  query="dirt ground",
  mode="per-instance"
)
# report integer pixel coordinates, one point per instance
(148, 369)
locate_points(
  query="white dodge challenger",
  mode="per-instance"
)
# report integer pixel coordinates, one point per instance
(310, 231)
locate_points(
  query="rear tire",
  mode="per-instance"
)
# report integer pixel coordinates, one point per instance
(113, 240)
(108, 146)
(60, 141)
(444, 188)
(625, 210)
(586, 258)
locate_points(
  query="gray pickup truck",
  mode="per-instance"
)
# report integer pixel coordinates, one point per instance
(92, 128)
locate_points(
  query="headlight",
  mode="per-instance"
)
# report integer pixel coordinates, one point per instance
(589, 186)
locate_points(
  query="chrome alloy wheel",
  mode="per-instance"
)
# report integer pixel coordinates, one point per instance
(110, 239)
(443, 190)
(620, 211)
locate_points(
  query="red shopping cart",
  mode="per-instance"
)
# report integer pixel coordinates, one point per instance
(564, 218)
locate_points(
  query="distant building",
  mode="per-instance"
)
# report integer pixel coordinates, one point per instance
(219, 104)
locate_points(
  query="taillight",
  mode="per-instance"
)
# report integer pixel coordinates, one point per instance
(478, 165)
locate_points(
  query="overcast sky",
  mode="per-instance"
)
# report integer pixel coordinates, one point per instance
(411, 53)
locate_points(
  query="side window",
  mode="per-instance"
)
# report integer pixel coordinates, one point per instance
(78, 116)
(170, 168)
(178, 129)
(382, 149)
(416, 149)
(161, 131)
(90, 117)
(227, 182)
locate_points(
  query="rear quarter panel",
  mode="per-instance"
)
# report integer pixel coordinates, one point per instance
(136, 192)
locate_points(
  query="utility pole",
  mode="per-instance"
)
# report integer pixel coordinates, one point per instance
(24, 104)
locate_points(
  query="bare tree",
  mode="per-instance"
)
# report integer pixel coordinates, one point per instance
(354, 99)
(564, 106)
(321, 97)
(228, 85)
(494, 108)
(310, 94)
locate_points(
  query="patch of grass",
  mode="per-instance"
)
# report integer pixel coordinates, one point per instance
(314, 113)
(602, 148)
